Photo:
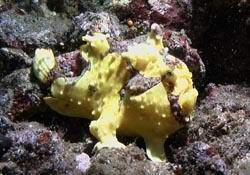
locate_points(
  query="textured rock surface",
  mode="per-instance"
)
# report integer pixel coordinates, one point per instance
(12, 59)
(221, 125)
(180, 45)
(19, 95)
(37, 150)
(30, 31)
(93, 22)
(201, 158)
(131, 160)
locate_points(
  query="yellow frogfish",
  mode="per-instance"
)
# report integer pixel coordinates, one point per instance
(106, 95)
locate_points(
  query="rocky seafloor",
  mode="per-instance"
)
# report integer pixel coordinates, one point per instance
(211, 37)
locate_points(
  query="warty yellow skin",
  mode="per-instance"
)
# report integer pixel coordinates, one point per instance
(96, 94)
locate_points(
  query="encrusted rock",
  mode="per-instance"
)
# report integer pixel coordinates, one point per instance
(19, 94)
(5, 144)
(201, 158)
(130, 160)
(12, 59)
(37, 32)
(90, 22)
(180, 46)
(221, 125)
(35, 150)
